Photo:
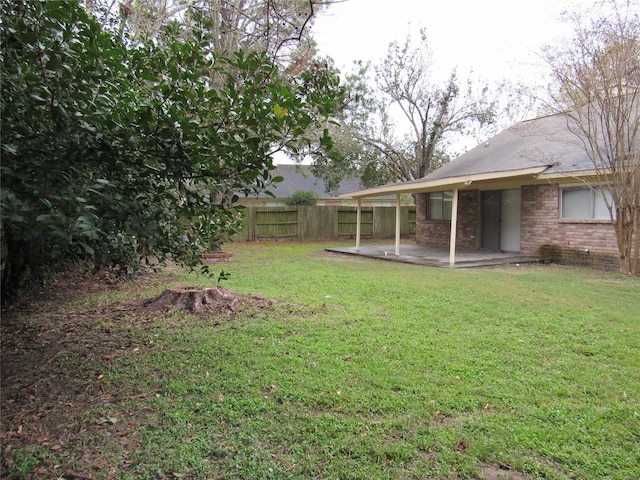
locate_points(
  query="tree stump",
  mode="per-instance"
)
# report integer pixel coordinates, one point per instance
(192, 299)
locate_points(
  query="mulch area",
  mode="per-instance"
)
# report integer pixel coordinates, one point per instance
(49, 352)
(53, 347)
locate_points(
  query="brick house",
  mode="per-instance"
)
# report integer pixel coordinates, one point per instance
(529, 189)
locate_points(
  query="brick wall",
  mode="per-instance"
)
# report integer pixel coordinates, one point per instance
(436, 233)
(576, 256)
(420, 200)
(539, 213)
(468, 220)
(542, 233)
(576, 242)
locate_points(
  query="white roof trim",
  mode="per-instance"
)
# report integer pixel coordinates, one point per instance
(573, 174)
(425, 185)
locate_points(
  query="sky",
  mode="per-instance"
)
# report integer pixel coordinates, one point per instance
(495, 38)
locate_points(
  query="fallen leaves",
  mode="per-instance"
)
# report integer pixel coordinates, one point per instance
(461, 446)
(106, 421)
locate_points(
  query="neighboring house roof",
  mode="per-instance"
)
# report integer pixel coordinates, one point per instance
(300, 177)
(525, 150)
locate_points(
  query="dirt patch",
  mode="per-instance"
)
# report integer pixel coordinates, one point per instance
(52, 352)
(491, 472)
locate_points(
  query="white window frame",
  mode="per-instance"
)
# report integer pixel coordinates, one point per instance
(443, 213)
(597, 202)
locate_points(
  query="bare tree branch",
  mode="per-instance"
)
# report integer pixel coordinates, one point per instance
(597, 88)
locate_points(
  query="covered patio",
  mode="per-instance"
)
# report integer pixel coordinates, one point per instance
(437, 257)
(451, 257)
(484, 219)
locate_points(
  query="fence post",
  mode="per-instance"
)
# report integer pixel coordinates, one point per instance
(358, 222)
(326, 222)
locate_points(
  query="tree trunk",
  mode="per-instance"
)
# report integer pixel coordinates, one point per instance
(634, 260)
(626, 228)
(192, 299)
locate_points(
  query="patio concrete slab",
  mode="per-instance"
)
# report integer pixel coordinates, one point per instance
(437, 257)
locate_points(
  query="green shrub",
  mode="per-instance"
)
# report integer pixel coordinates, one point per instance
(115, 151)
(302, 197)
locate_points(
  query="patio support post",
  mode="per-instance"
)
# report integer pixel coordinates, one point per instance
(358, 222)
(454, 227)
(398, 225)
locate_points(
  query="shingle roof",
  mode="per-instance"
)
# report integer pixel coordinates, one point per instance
(542, 145)
(544, 141)
(299, 177)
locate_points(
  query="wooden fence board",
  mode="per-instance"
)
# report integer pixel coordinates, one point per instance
(323, 222)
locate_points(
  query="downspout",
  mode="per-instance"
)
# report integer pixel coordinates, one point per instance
(398, 225)
(454, 228)
(358, 221)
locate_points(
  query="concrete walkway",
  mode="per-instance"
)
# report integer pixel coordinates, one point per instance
(437, 257)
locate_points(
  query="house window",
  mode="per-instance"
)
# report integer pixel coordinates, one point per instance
(440, 205)
(585, 204)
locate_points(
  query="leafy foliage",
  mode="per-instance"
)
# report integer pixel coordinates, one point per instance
(115, 152)
(354, 154)
(302, 197)
(223, 276)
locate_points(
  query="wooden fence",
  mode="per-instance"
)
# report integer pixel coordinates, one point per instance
(324, 222)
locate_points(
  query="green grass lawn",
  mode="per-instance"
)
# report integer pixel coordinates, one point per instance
(367, 369)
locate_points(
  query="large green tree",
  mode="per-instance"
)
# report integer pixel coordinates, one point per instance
(114, 152)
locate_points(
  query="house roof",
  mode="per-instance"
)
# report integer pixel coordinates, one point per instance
(544, 141)
(300, 177)
(520, 153)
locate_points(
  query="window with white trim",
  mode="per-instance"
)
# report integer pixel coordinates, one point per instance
(439, 207)
(584, 203)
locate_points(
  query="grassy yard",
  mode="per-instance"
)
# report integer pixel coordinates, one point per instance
(361, 369)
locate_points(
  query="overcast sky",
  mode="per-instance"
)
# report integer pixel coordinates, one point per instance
(496, 38)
